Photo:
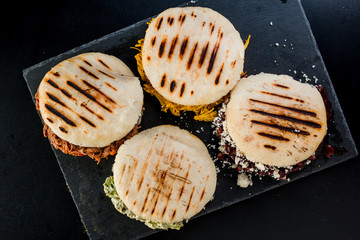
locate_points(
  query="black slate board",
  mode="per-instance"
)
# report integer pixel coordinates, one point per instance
(270, 23)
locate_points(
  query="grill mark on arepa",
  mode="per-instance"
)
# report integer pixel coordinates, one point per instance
(270, 146)
(122, 173)
(52, 83)
(110, 86)
(214, 52)
(170, 20)
(283, 128)
(172, 46)
(183, 186)
(305, 112)
(50, 120)
(91, 111)
(183, 47)
(173, 215)
(203, 54)
(190, 198)
(162, 47)
(191, 57)
(103, 63)
(282, 96)
(146, 199)
(272, 136)
(172, 85)
(88, 72)
(217, 79)
(60, 115)
(287, 118)
(280, 85)
(56, 74)
(87, 121)
(98, 90)
(106, 74)
(63, 129)
(55, 99)
(163, 80)
(85, 61)
(159, 23)
(79, 89)
(182, 89)
(153, 40)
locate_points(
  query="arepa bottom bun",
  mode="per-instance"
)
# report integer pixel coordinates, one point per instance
(162, 176)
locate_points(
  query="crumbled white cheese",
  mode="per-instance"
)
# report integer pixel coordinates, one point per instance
(260, 166)
(277, 44)
(244, 180)
(271, 23)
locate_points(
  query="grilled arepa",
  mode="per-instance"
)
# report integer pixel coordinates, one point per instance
(162, 176)
(90, 100)
(192, 55)
(276, 120)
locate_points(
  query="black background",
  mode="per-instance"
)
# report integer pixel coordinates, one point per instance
(34, 200)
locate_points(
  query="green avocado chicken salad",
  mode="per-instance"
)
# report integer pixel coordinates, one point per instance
(110, 191)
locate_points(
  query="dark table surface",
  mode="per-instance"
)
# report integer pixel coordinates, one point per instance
(34, 200)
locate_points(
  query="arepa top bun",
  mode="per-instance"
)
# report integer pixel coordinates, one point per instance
(276, 120)
(164, 174)
(90, 100)
(192, 55)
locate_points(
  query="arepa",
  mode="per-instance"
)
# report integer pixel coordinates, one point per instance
(192, 55)
(164, 175)
(90, 100)
(275, 120)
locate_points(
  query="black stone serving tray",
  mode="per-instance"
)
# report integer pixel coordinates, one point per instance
(281, 42)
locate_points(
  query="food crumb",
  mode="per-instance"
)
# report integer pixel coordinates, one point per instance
(244, 180)
(271, 23)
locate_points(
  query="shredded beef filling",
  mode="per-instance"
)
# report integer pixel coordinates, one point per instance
(96, 153)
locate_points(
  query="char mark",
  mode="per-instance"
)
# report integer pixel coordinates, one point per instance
(56, 74)
(287, 118)
(180, 178)
(191, 58)
(153, 40)
(79, 89)
(106, 74)
(88, 121)
(66, 93)
(91, 111)
(87, 63)
(88, 72)
(110, 86)
(104, 64)
(183, 19)
(283, 96)
(285, 107)
(170, 20)
(202, 194)
(189, 203)
(173, 215)
(287, 129)
(172, 47)
(183, 47)
(203, 54)
(99, 91)
(217, 79)
(145, 201)
(214, 54)
(55, 99)
(159, 23)
(52, 83)
(60, 115)
(162, 47)
(172, 86)
(272, 136)
(182, 89)
(280, 85)
(63, 130)
(163, 80)
(270, 146)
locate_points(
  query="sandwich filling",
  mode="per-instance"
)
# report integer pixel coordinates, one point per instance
(119, 205)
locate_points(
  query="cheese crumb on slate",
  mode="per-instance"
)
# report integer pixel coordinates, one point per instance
(244, 180)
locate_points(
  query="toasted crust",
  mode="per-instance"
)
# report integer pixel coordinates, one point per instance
(164, 174)
(275, 120)
(90, 100)
(192, 55)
